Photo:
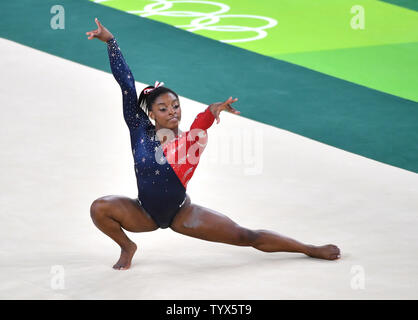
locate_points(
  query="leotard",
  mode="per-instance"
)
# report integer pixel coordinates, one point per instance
(162, 172)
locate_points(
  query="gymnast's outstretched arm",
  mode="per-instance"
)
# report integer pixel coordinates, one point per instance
(133, 115)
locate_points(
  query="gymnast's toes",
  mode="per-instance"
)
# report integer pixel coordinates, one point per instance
(126, 256)
(328, 252)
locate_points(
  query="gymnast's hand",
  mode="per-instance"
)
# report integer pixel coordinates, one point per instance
(100, 33)
(216, 108)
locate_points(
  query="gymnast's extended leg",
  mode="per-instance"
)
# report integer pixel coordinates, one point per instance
(112, 213)
(203, 223)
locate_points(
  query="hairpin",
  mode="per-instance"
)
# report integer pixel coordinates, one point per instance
(156, 85)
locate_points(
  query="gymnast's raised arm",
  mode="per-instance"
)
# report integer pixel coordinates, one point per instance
(133, 115)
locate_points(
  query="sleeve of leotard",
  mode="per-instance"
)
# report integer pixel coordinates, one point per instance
(198, 129)
(133, 115)
(203, 120)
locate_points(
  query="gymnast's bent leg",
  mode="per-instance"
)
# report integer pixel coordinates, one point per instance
(112, 213)
(206, 224)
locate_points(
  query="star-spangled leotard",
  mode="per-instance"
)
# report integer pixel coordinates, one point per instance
(162, 172)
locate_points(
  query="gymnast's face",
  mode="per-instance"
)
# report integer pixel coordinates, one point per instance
(166, 111)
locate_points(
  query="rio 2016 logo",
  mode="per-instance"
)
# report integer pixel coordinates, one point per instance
(208, 20)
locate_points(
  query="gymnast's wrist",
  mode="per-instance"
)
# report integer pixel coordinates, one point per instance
(110, 40)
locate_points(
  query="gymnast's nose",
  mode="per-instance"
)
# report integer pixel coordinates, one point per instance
(171, 111)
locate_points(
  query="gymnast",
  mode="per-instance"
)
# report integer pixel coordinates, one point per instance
(165, 159)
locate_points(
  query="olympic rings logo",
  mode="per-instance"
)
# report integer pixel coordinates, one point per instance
(206, 21)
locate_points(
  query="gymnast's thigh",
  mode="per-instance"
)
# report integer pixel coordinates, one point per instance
(128, 212)
(207, 224)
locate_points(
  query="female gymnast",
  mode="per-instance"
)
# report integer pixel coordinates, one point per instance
(162, 178)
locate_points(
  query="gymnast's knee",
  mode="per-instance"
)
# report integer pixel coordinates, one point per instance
(99, 207)
(246, 237)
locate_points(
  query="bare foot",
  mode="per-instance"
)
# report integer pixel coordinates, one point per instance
(328, 252)
(126, 256)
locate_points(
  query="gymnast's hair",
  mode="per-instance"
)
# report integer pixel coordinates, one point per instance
(146, 100)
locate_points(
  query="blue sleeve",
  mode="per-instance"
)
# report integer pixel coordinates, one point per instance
(133, 115)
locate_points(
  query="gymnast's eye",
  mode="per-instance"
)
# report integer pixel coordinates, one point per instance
(176, 106)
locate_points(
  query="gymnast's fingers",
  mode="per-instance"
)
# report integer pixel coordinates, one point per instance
(99, 25)
(91, 34)
(229, 101)
(233, 110)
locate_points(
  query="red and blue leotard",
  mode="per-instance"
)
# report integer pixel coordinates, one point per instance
(162, 172)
